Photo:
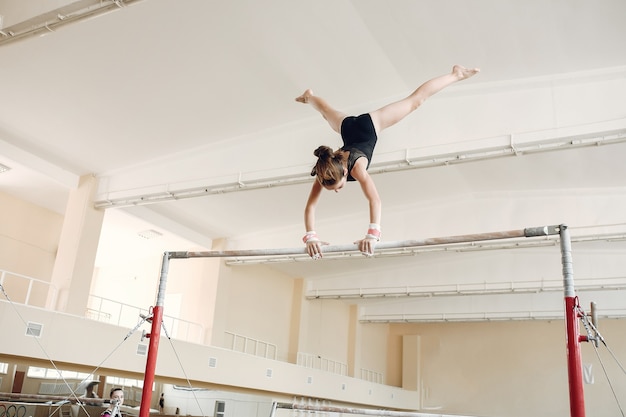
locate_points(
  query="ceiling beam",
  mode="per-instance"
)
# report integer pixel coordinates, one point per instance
(501, 147)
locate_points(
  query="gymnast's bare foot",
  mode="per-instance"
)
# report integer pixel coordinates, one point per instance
(304, 98)
(462, 73)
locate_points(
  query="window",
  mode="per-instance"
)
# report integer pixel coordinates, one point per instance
(220, 409)
(34, 372)
(50, 373)
(4, 368)
(124, 382)
(127, 382)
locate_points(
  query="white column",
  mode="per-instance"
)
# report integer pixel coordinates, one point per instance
(74, 265)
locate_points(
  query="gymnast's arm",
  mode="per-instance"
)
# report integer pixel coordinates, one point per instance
(313, 244)
(359, 172)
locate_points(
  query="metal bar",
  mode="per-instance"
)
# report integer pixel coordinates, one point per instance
(511, 234)
(28, 292)
(352, 410)
(19, 396)
(574, 357)
(273, 411)
(593, 312)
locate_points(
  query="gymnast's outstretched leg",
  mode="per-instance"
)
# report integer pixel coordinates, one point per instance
(392, 113)
(332, 116)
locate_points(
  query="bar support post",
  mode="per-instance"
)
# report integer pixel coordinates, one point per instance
(154, 336)
(572, 327)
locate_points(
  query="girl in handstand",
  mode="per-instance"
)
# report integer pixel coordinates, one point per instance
(349, 163)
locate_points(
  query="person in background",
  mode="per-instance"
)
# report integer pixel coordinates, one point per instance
(90, 394)
(161, 404)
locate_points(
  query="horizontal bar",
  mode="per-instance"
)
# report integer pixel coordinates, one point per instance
(511, 234)
(72, 398)
(351, 410)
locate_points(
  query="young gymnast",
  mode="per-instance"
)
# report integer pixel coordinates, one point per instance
(349, 163)
(117, 399)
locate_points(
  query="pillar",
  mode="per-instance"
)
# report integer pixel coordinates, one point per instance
(75, 260)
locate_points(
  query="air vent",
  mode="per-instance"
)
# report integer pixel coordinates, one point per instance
(212, 362)
(343, 387)
(309, 379)
(142, 349)
(34, 329)
(268, 373)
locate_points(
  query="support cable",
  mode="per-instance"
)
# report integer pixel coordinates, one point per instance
(601, 339)
(595, 348)
(182, 368)
(73, 395)
(39, 344)
(592, 336)
(97, 368)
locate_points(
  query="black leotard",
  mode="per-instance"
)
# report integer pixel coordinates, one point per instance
(359, 138)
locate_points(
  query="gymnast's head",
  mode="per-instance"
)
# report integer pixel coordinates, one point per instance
(330, 168)
(117, 396)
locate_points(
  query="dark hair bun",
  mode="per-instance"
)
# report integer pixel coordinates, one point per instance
(323, 152)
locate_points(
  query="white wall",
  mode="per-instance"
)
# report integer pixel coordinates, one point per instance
(29, 237)
(255, 302)
(113, 350)
(513, 369)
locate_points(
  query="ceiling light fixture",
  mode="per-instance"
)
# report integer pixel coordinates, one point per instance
(49, 21)
(482, 316)
(505, 147)
(468, 289)
(149, 234)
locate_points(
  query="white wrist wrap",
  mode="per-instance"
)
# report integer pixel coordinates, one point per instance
(310, 237)
(373, 232)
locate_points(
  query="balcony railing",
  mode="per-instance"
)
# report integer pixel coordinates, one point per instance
(251, 346)
(126, 315)
(22, 289)
(317, 362)
(25, 290)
